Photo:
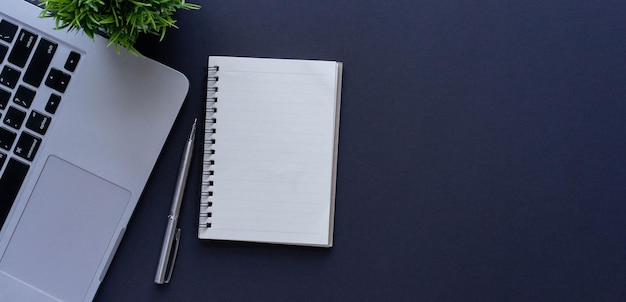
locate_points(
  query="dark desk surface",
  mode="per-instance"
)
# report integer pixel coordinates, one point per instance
(482, 154)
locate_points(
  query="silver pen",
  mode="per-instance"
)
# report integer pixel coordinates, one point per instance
(172, 234)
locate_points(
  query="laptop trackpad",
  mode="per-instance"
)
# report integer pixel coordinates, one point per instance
(64, 231)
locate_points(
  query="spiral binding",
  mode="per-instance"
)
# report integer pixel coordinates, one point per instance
(206, 202)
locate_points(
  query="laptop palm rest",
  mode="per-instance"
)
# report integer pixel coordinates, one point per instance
(64, 231)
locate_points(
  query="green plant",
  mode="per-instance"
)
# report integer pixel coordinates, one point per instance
(121, 21)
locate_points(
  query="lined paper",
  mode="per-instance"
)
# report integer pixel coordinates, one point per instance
(275, 141)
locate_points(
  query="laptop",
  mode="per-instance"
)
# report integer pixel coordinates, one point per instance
(80, 133)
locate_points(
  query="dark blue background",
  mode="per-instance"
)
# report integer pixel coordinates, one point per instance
(482, 154)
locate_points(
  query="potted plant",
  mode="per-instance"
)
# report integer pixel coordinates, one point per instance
(121, 21)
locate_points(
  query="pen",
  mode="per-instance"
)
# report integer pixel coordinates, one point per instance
(163, 273)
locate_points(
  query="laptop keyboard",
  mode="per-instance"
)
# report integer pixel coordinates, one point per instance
(34, 73)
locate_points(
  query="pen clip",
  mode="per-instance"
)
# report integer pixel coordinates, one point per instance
(171, 268)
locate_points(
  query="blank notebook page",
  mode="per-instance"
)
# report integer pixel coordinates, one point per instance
(273, 166)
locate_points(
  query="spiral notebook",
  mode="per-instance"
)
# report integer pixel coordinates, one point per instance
(270, 150)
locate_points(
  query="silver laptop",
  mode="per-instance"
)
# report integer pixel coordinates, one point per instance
(78, 140)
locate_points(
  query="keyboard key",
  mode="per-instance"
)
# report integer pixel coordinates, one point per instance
(4, 98)
(3, 158)
(9, 76)
(3, 52)
(39, 63)
(24, 96)
(53, 103)
(7, 31)
(27, 146)
(22, 48)
(38, 122)
(72, 61)
(14, 117)
(10, 184)
(6, 139)
(58, 80)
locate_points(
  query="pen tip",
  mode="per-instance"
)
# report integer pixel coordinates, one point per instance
(193, 129)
